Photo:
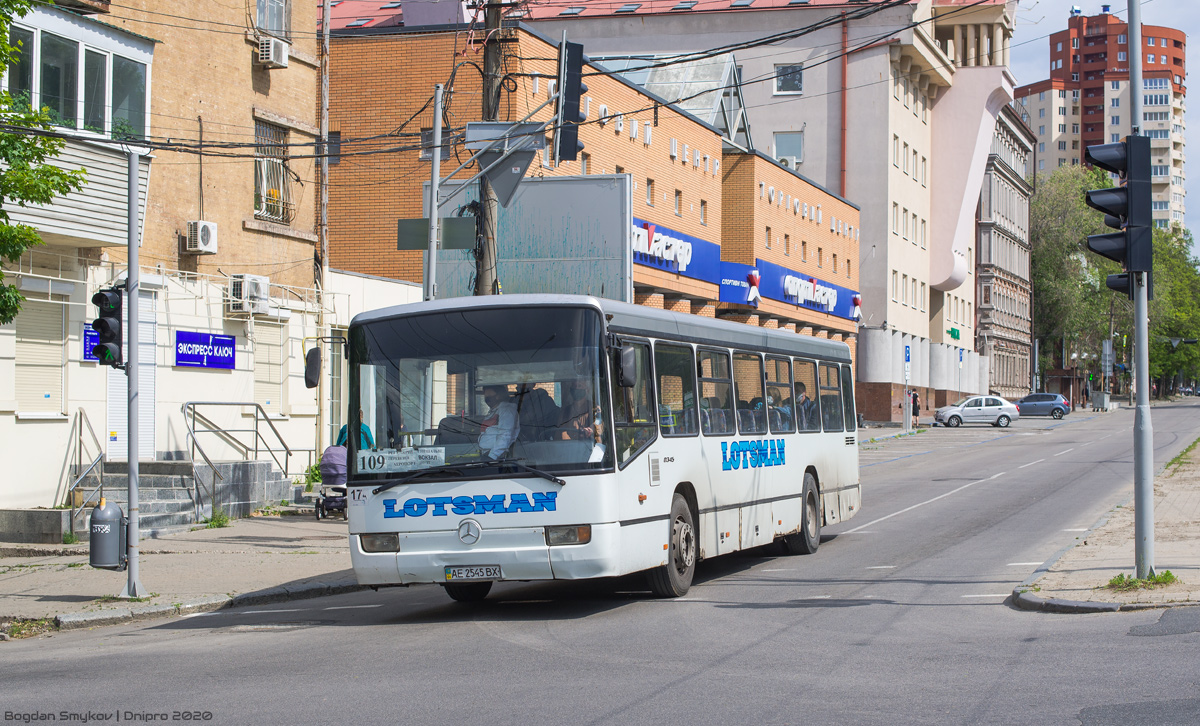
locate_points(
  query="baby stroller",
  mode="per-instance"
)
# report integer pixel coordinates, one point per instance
(332, 494)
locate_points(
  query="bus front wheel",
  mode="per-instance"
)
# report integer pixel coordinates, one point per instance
(675, 577)
(468, 591)
(806, 541)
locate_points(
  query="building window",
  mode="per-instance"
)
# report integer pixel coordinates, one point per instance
(905, 155)
(922, 234)
(649, 192)
(820, 257)
(904, 222)
(1115, 120)
(922, 171)
(1149, 57)
(789, 79)
(835, 264)
(1150, 42)
(333, 150)
(703, 212)
(584, 163)
(787, 244)
(40, 353)
(847, 268)
(789, 145)
(678, 203)
(895, 218)
(904, 289)
(1041, 130)
(1122, 39)
(1062, 128)
(896, 151)
(272, 179)
(1116, 103)
(1042, 112)
(268, 366)
(922, 297)
(118, 108)
(1062, 146)
(768, 238)
(803, 251)
(275, 17)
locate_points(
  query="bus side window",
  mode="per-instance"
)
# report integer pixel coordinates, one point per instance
(808, 410)
(848, 399)
(748, 385)
(831, 397)
(779, 396)
(633, 409)
(716, 394)
(676, 389)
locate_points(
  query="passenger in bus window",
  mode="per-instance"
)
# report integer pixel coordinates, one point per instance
(806, 409)
(501, 425)
(579, 414)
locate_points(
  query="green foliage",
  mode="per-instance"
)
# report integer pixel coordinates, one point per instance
(70, 538)
(218, 519)
(26, 177)
(1173, 311)
(1122, 583)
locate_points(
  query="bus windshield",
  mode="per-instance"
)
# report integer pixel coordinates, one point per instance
(475, 386)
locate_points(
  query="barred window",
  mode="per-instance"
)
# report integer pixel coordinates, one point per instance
(272, 178)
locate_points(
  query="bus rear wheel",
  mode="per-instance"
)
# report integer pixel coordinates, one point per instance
(675, 577)
(468, 591)
(806, 541)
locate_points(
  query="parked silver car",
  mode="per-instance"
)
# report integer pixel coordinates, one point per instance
(978, 409)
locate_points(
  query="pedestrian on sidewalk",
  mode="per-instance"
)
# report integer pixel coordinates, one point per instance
(916, 408)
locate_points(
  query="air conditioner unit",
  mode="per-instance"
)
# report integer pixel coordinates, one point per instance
(789, 161)
(201, 238)
(272, 52)
(249, 294)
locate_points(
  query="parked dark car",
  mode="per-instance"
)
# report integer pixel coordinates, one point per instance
(1044, 404)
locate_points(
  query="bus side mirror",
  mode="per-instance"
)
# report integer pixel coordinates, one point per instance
(627, 373)
(312, 367)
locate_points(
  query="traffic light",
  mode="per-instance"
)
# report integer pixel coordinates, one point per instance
(570, 88)
(1126, 208)
(108, 326)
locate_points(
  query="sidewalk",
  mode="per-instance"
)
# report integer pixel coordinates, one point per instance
(253, 561)
(1075, 579)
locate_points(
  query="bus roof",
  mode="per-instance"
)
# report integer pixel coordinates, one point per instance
(630, 319)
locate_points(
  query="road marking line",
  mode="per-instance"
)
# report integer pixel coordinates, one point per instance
(1081, 529)
(815, 597)
(263, 612)
(777, 570)
(1023, 564)
(353, 607)
(882, 567)
(1001, 594)
(196, 615)
(1022, 466)
(1064, 452)
(927, 501)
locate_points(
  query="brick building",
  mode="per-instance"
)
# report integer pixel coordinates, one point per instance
(736, 211)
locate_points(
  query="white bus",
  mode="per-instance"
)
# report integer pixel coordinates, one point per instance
(540, 437)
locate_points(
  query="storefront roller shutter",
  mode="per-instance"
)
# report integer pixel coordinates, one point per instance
(268, 366)
(40, 346)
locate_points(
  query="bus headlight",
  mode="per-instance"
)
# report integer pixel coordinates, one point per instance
(380, 542)
(575, 534)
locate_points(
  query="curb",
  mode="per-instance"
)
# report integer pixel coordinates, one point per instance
(209, 603)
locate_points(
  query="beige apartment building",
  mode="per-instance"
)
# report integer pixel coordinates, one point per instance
(1086, 101)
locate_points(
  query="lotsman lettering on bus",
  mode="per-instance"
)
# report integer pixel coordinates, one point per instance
(477, 504)
(752, 454)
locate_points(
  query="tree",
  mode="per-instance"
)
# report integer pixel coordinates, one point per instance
(1070, 301)
(26, 176)
(1174, 313)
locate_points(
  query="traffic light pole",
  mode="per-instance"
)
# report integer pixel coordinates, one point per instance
(1143, 429)
(435, 180)
(133, 586)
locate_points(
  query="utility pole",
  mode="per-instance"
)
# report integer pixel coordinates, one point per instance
(489, 208)
(1143, 430)
(133, 585)
(323, 221)
(435, 180)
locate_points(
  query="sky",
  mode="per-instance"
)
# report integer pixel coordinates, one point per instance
(1030, 61)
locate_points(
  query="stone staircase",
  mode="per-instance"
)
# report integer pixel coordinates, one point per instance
(167, 495)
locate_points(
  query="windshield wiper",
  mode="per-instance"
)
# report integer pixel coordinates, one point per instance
(459, 468)
(526, 467)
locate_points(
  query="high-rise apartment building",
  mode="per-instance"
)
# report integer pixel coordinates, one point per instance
(1086, 100)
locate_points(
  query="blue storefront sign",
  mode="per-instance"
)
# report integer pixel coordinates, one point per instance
(747, 284)
(665, 249)
(204, 350)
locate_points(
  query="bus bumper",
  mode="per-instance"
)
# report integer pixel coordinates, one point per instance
(521, 553)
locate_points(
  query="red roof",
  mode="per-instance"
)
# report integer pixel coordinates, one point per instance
(548, 9)
(362, 14)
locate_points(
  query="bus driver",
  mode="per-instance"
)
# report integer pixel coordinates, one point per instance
(500, 426)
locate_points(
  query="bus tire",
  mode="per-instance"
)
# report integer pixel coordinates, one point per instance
(806, 541)
(675, 577)
(468, 591)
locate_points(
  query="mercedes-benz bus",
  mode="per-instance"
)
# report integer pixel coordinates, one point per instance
(557, 437)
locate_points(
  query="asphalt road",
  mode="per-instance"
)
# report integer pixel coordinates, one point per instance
(901, 617)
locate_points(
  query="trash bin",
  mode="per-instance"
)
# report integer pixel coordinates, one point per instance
(107, 543)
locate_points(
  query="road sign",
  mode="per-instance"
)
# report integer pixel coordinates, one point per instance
(907, 363)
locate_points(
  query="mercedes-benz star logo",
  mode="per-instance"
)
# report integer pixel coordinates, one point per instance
(469, 531)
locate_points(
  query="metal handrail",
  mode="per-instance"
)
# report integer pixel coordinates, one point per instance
(81, 420)
(287, 451)
(98, 490)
